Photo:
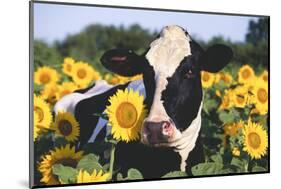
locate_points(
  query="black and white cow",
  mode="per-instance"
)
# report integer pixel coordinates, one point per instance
(170, 135)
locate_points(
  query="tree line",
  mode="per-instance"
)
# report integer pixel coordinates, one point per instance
(91, 42)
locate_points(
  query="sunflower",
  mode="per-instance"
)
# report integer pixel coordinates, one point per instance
(246, 74)
(207, 79)
(49, 92)
(226, 100)
(126, 113)
(225, 77)
(264, 75)
(136, 77)
(46, 75)
(255, 140)
(35, 126)
(64, 155)
(66, 125)
(96, 75)
(109, 79)
(117, 79)
(82, 74)
(218, 93)
(233, 128)
(67, 65)
(42, 109)
(65, 88)
(85, 177)
(236, 151)
(240, 96)
(260, 93)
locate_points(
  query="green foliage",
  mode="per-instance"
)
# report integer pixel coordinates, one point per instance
(45, 55)
(133, 174)
(175, 174)
(209, 168)
(257, 31)
(241, 165)
(65, 174)
(259, 169)
(89, 163)
(91, 42)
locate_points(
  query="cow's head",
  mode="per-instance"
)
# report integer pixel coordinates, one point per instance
(171, 73)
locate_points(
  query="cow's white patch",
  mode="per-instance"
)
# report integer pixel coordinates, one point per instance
(164, 56)
(69, 102)
(185, 141)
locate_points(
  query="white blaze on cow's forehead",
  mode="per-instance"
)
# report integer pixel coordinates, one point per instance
(166, 52)
(165, 55)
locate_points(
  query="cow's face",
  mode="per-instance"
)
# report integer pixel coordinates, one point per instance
(171, 73)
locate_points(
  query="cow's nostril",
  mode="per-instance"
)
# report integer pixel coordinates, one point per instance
(166, 125)
(167, 128)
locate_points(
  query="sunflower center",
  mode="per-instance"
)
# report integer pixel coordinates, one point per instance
(254, 140)
(40, 113)
(81, 73)
(126, 115)
(65, 127)
(262, 95)
(206, 77)
(45, 78)
(67, 162)
(246, 73)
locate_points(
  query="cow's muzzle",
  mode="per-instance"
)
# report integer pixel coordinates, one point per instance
(156, 133)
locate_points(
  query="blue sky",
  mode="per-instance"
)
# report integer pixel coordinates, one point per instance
(54, 22)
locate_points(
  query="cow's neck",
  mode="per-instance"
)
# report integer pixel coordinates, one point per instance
(187, 142)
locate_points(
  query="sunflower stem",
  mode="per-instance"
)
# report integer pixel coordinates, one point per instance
(111, 161)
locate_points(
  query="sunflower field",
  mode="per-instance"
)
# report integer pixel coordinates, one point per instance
(234, 125)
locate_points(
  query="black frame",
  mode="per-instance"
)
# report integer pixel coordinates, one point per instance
(31, 39)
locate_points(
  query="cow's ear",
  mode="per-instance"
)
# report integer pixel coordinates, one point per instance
(216, 58)
(123, 62)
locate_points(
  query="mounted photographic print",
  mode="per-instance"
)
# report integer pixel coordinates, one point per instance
(123, 94)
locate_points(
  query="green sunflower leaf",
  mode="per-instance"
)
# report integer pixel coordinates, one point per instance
(258, 169)
(37, 88)
(217, 158)
(89, 163)
(120, 177)
(210, 105)
(241, 164)
(210, 168)
(175, 174)
(226, 117)
(134, 174)
(66, 174)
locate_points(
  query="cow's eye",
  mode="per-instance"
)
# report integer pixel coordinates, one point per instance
(189, 74)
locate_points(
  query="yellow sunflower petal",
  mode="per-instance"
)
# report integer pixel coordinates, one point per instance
(64, 155)
(207, 79)
(46, 75)
(66, 125)
(255, 140)
(42, 109)
(246, 74)
(126, 113)
(82, 74)
(67, 65)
